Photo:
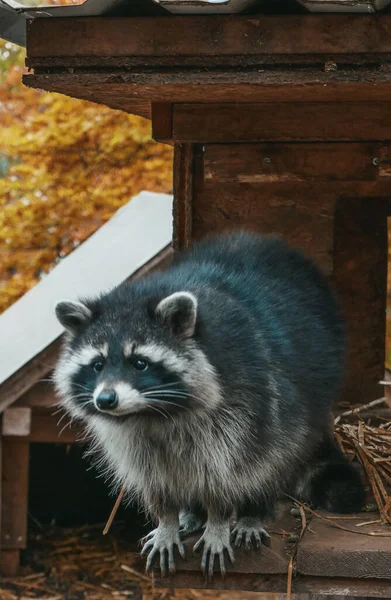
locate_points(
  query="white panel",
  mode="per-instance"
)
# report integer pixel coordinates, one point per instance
(134, 235)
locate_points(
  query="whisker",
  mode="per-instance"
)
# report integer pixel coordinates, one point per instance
(159, 411)
(161, 386)
(65, 426)
(82, 387)
(170, 403)
(61, 418)
(160, 391)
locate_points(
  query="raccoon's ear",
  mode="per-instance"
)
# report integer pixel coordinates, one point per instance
(73, 315)
(180, 311)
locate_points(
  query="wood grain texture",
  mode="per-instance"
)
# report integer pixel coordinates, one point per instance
(304, 219)
(307, 162)
(9, 562)
(360, 277)
(183, 195)
(331, 552)
(209, 35)
(27, 376)
(277, 584)
(42, 394)
(15, 468)
(133, 91)
(46, 428)
(161, 121)
(269, 561)
(309, 121)
(196, 61)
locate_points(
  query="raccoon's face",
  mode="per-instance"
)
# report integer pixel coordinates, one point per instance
(121, 360)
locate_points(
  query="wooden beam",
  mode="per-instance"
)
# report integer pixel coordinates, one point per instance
(162, 121)
(40, 395)
(15, 468)
(16, 421)
(119, 90)
(278, 163)
(49, 428)
(330, 551)
(183, 194)
(277, 584)
(283, 35)
(9, 562)
(285, 122)
(360, 276)
(27, 376)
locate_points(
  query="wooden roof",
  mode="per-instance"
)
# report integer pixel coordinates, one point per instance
(136, 64)
(29, 329)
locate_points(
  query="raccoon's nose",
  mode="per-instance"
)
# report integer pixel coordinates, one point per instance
(107, 400)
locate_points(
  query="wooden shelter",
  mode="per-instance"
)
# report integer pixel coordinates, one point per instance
(135, 240)
(280, 123)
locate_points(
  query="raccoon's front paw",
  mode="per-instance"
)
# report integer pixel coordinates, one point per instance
(189, 523)
(215, 541)
(161, 542)
(250, 531)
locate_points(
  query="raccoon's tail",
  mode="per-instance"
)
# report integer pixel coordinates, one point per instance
(333, 483)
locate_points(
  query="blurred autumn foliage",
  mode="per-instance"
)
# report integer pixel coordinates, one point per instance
(65, 167)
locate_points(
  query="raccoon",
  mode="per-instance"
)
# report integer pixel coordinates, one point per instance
(208, 388)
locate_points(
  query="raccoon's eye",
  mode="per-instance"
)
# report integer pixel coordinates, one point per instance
(140, 364)
(98, 366)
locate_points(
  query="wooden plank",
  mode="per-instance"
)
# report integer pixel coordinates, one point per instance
(360, 276)
(9, 562)
(268, 561)
(78, 63)
(161, 121)
(271, 561)
(183, 194)
(16, 421)
(39, 395)
(209, 35)
(272, 163)
(277, 584)
(330, 552)
(47, 427)
(306, 121)
(15, 468)
(29, 374)
(119, 90)
(304, 218)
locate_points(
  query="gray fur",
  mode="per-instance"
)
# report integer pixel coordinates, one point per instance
(243, 348)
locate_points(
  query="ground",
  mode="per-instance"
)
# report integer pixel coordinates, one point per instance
(80, 564)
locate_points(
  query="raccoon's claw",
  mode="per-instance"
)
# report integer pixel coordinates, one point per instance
(215, 540)
(249, 531)
(161, 542)
(189, 523)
